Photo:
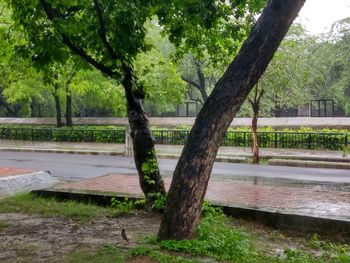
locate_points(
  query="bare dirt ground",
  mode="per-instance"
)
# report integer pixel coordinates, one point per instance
(33, 238)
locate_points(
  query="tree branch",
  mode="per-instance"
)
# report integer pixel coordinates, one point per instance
(102, 30)
(52, 15)
(191, 82)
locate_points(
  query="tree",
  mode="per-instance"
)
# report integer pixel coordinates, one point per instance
(255, 103)
(108, 35)
(208, 50)
(330, 76)
(191, 175)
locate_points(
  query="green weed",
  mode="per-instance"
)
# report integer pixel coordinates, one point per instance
(28, 203)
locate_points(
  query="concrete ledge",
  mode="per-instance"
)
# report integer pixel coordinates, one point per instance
(297, 224)
(311, 164)
(310, 158)
(13, 184)
(293, 223)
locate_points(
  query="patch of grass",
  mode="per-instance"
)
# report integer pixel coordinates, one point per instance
(28, 203)
(217, 238)
(159, 256)
(4, 225)
(107, 254)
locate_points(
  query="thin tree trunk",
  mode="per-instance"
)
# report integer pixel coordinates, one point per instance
(143, 143)
(57, 106)
(192, 173)
(255, 146)
(69, 121)
(201, 79)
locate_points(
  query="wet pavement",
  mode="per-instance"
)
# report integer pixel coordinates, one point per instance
(11, 171)
(324, 200)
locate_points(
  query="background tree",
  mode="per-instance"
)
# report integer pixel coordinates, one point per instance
(108, 35)
(255, 101)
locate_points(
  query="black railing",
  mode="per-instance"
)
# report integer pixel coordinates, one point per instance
(295, 140)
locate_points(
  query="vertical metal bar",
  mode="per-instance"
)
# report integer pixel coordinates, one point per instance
(309, 141)
(275, 139)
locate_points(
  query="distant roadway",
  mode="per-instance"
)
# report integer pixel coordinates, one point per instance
(74, 166)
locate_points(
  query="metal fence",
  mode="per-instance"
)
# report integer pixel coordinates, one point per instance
(294, 140)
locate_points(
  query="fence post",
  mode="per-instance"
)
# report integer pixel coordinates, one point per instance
(309, 141)
(275, 138)
(128, 143)
(346, 140)
(245, 139)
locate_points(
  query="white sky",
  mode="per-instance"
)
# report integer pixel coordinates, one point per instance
(319, 15)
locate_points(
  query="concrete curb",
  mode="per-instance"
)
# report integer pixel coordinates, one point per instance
(297, 224)
(219, 158)
(310, 164)
(13, 184)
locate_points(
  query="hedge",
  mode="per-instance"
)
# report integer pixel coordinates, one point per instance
(304, 138)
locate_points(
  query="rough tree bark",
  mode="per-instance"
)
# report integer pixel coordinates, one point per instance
(255, 103)
(192, 173)
(143, 143)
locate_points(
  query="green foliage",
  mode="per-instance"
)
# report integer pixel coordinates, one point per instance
(125, 206)
(4, 225)
(32, 204)
(99, 134)
(217, 238)
(159, 256)
(303, 138)
(107, 254)
(159, 200)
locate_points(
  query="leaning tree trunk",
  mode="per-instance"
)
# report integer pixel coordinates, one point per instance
(143, 143)
(69, 115)
(255, 146)
(192, 173)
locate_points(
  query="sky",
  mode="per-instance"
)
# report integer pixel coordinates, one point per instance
(319, 15)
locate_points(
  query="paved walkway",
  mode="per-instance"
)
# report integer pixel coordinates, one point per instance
(318, 200)
(163, 150)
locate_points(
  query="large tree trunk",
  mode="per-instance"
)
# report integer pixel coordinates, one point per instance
(143, 143)
(69, 121)
(192, 173)
(57, 106)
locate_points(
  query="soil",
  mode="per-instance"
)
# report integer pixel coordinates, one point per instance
(33, 238)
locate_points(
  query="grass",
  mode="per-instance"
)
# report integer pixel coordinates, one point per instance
(4, 225)
(217, 238)
(106, 254)
(111, 254)
(28, 203)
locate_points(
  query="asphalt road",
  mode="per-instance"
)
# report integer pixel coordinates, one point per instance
(73, 166)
